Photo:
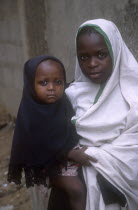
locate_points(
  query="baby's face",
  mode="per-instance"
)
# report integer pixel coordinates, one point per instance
(94, 58)
(49, 82)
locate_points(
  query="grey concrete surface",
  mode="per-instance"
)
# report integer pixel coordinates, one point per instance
(12, 53)
(32, 27)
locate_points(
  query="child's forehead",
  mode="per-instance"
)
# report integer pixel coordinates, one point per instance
(50, 63)
(49, 67)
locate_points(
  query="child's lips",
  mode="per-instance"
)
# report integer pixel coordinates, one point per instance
(51, 96)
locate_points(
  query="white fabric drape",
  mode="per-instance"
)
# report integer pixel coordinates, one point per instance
(110, 127)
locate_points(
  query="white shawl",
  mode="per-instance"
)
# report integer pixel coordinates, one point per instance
(109, 127)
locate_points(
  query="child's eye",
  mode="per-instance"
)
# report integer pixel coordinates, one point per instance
(59, 82)
(43, 83)
(102, 55)
(83, 57)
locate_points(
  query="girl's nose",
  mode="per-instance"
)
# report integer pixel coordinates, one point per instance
(93, 62)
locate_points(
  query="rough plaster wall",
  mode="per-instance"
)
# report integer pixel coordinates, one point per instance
(27, 25)
(22, 35)
(35, 16)
(11, 54)
(64, 18)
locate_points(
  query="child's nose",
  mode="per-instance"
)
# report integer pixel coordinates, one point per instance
(93, 62)
(51, 86)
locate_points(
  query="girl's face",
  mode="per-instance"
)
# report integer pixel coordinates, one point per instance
(94, 58)
(49, 82)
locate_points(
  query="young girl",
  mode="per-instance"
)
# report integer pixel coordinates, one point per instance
(105, 99)
(44, 134)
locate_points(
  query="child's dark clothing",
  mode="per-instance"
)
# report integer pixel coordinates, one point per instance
(43, 133)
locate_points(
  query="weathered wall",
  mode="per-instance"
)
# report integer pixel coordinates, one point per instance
(64, 18)
(35, 20)
(28, 26)
(11, 54)
(22, 35)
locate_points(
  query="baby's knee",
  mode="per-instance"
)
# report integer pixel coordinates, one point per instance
(72, 186)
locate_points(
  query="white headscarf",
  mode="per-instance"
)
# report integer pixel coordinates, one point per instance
(109, 127)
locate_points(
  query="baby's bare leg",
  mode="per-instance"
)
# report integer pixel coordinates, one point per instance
(74, 189)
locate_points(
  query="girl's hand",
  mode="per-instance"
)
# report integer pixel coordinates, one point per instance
(78, 156)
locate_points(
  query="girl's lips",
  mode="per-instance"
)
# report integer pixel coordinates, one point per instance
(95, 74)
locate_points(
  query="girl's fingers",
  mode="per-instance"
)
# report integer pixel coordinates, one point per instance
(92, 158)
(89, 157)
(88, 163)
(83, 148)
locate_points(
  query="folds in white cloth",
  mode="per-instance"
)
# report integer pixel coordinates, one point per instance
(109, 127)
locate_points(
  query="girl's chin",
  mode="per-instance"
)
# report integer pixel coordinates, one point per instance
(97, 78)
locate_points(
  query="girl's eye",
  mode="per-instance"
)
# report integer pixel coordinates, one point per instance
(102, 55)
(59, 82)
(83, 57)
(43, 83)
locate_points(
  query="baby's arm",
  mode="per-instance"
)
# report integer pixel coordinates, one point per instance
(78, 156)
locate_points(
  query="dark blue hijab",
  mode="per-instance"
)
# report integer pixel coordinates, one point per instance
(43, 132)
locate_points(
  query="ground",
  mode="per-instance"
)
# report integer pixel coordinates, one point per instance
(11, 196)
